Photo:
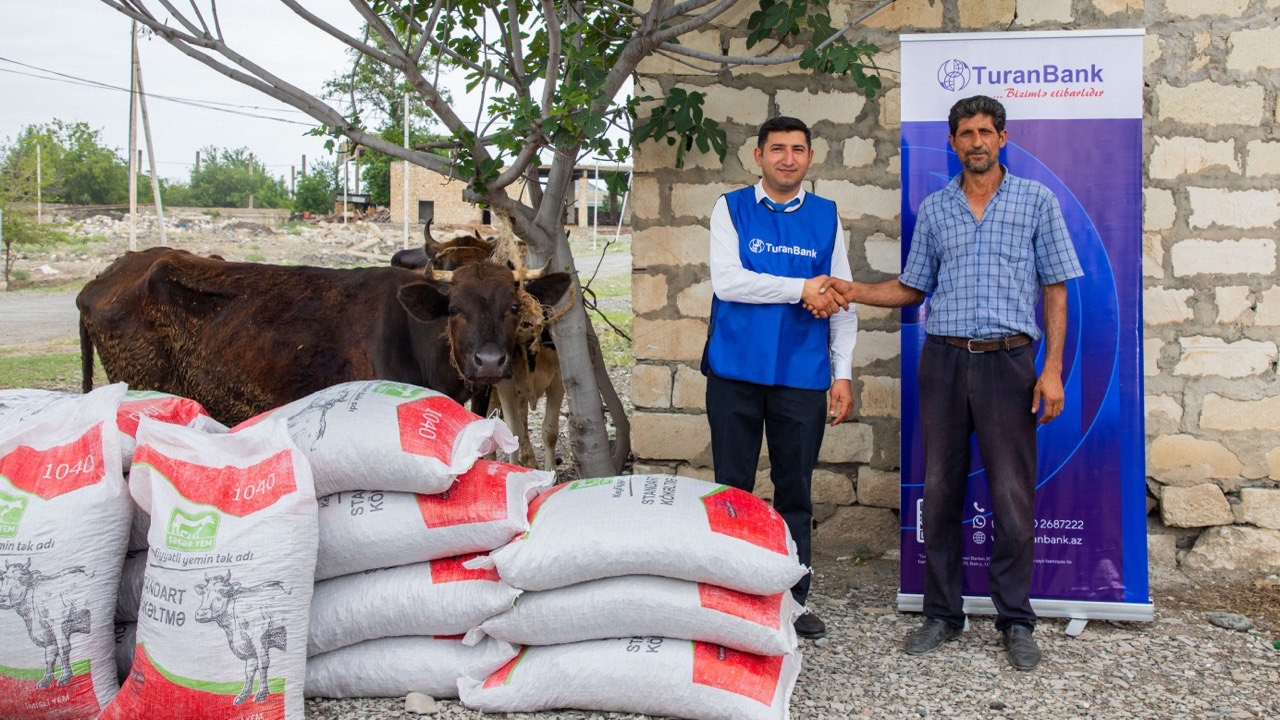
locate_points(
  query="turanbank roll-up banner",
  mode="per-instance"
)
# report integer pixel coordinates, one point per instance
(1074, 104)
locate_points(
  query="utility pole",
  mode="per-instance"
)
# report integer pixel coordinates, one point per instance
(304, 164)
(404, 169)
(346, 176)
(197, 161)
(151, 153)
(39, 189)
(293, 181)
(133, 137)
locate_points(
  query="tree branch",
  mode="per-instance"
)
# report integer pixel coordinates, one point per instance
(700, 21)
(344, 38)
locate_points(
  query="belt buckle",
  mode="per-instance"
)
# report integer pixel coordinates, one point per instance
(969, 346)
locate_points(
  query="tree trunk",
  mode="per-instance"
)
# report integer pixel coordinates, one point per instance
(612, 403)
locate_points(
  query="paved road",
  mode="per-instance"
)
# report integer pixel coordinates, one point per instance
(32, 320)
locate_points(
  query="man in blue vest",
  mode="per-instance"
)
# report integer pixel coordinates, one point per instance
(769, 361)
(987, 246)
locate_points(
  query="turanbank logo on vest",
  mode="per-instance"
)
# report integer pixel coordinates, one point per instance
(955, 75)
(758, 246)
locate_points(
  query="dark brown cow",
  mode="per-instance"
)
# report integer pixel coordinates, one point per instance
(243, 338)
(449, 254)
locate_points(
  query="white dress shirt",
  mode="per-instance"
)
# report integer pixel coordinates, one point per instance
(731, 282)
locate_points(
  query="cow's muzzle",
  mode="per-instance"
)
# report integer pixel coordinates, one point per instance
(490, 366)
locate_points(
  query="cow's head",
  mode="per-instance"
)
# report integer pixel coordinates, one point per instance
(453, 250)
(216, 593)
(483, 308)
(14, 581)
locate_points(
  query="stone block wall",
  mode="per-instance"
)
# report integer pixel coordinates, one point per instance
(1212, 300)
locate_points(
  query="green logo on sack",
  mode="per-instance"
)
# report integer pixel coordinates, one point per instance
(11, 509)
(400, 390)
(192, 533)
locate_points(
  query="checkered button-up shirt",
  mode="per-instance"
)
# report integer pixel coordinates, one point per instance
(986, 277)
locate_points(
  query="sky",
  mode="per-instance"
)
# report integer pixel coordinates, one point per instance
(86, 39)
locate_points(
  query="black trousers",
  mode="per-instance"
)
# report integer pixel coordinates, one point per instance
(793, 421)
(990, 394)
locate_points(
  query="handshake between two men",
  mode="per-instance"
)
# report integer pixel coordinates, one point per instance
(825, 296)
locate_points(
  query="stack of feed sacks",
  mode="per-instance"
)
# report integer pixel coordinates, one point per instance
(24, 406)
(64, 524)
(405, 500)
(655, 594)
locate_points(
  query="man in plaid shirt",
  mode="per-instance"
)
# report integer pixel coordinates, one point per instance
(986, 246)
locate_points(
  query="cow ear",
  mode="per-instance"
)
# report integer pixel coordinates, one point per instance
(548, 289)
(425, 301)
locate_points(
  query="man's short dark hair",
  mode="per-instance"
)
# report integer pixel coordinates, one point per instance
(782, 123)
(976, 105)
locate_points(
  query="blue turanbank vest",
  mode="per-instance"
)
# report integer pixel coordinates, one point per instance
(775, 344)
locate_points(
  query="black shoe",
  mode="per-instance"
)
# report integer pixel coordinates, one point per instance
(1022, 651)
(930, 636)
(810, 626)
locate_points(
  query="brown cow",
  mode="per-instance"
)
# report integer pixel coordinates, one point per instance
(536, 364)
(243, 338)
(450, 254)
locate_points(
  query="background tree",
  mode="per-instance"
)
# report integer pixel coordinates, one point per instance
(549, 75)
(316, 189)
(230, 177)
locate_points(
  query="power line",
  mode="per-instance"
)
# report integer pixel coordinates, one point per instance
(203, 104)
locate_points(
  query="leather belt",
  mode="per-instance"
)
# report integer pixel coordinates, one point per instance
(1007, 342)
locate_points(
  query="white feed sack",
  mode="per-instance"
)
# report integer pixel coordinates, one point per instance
(482, 510)
(64, 524)
(387, 436)
(395, 667)
(223, 621)
(17, 406)
(644, 605)
(661, 525)
(436, 598)
(654, 676)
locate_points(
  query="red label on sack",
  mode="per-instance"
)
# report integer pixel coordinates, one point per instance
(170, 409)
(479, 496)
(150, 692)
(739, 514)
(449, 570)
(57, 470)
(22, 698)
(448, 637)
(760, 609)
(503, 675)
(431, 425)
(751, 676)
(233, 490)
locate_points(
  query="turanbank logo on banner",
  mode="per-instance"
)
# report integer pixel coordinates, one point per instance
(1026, 82)
(758, 246)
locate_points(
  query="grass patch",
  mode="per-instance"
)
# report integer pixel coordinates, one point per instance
(615, 348)
(293, 227)
(255, 257)
(49, 371)
(612, 286)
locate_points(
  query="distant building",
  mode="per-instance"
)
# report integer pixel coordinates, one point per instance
(433, 196)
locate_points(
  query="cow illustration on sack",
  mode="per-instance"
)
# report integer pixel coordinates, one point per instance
(247, 615)
(53, 608)
(308, 426)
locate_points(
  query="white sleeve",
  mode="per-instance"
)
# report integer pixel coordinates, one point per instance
(844, 324)
(732, 282)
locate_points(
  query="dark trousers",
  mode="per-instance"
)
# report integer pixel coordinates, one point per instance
(990, 394)
(793, 421)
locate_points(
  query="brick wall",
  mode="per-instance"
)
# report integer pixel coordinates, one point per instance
(1211, 213)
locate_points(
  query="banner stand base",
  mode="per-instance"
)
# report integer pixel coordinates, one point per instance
(1079, 611)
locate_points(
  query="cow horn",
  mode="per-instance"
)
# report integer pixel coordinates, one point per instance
(444, 276)
(526, 274)
(429, 243)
